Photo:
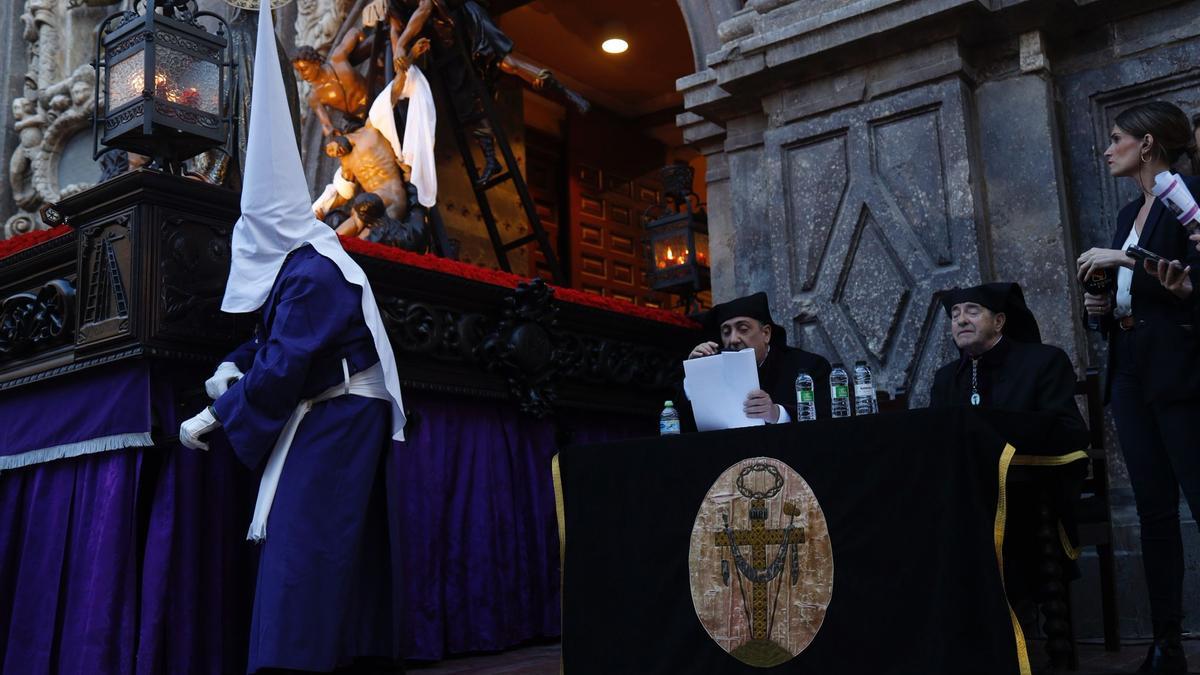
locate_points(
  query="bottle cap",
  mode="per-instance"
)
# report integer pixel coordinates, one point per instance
(669, 404)
(838, 364)
(860, 362)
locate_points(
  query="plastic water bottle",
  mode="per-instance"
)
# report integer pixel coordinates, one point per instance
(839, 390)
(865, 402)
(806, 402)
(668, 422)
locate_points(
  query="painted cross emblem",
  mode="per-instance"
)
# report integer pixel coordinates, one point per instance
(775, 579)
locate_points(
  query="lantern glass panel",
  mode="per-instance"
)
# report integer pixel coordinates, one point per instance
(671, 250)
(702, 248)
(187, 80)
(126, 80)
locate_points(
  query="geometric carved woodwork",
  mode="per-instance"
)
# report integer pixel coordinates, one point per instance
(36, 320)
(105, 274)
(193, 265)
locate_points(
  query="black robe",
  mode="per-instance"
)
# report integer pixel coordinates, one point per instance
(1026, 377)
(1020, 376)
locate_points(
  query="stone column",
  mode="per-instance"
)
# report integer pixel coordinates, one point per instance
(748, 178)
(1029, 237)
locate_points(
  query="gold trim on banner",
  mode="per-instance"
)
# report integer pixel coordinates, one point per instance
(1068, 548)
(1055, 460)
(1049, 460)
(561, 515)
(1006, 458)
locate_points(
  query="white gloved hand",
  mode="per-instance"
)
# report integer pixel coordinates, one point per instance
(226, 374)
(191, 430)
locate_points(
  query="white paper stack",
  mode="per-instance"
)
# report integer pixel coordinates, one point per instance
(717, 387)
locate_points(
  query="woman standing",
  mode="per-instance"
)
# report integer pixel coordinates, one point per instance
(1154, 358)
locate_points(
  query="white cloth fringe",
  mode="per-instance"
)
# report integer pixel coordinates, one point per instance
(67, 450)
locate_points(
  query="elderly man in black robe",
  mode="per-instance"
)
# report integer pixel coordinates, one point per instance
(746, 323)
(1003, 364)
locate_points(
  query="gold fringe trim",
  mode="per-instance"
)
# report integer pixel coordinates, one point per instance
(1006, 458)
(561, 515)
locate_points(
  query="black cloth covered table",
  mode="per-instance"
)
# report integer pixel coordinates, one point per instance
(914, 504)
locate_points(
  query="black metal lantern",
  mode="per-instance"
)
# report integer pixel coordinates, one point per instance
(164, 79)
(677, 238)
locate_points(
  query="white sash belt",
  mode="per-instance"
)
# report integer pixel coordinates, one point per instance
(368, 383)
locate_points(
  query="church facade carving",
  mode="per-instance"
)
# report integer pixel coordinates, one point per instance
(51, 110)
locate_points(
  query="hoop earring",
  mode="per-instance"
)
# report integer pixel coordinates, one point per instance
(1143, 158)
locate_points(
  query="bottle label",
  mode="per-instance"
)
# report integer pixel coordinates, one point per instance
(668, 427)
(864, 390)
(805, 395)
(841, 391)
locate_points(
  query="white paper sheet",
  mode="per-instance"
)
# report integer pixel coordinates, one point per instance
(717, 387)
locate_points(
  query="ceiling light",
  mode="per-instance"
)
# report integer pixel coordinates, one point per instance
(615, 46)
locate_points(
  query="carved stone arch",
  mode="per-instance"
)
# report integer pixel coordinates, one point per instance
(702, 18)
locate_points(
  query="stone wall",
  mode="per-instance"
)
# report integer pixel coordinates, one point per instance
(863, 155)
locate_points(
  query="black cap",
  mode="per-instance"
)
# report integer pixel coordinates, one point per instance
(1020, 324)
(753, 306)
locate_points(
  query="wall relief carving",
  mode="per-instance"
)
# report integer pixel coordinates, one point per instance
(48, 116)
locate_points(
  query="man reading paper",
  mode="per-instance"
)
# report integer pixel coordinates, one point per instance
(746, 323)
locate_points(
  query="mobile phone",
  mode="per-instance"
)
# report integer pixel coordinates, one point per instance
(1138, 253)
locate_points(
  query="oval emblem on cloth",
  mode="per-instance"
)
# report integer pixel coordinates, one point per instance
(761, 563)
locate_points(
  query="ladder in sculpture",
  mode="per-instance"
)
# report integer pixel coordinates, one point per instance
(510, 171)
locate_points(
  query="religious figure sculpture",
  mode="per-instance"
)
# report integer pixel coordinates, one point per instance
(335, 82)
(374, 160)
(367, 163)
(30, 125)
(369, 220)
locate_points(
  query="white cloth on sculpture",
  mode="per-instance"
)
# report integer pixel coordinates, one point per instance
(420, 130)
(277, 214)
(339, 186)
(368, 383)
(416, 151)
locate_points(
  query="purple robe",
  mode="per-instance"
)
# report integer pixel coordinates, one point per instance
(324, 593)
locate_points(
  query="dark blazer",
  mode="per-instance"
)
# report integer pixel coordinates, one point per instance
(1019, 376)
(1167, 348)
